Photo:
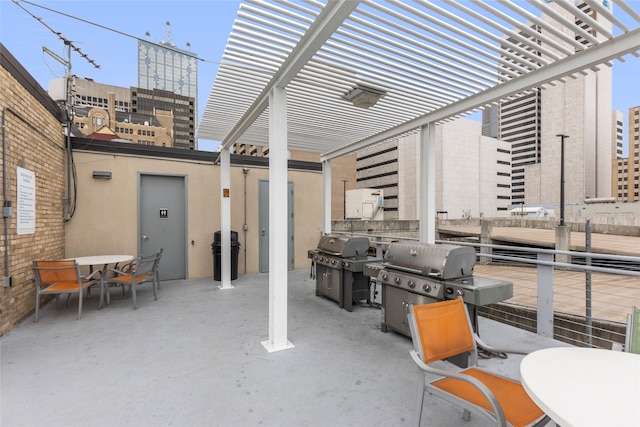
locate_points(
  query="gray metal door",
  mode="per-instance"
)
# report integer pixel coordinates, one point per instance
(263, 213)
(162, 222)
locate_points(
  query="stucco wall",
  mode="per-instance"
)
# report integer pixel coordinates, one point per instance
(106, 216)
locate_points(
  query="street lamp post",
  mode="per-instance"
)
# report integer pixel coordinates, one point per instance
(562, 138)
(344, 199)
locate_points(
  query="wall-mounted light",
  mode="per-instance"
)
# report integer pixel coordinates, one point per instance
(364, 96)
(101, 175)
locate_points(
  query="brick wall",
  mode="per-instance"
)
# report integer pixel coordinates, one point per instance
(32, 140)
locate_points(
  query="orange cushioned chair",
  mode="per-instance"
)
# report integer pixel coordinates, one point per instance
(143, 270)
(60, 277)
(441, 330)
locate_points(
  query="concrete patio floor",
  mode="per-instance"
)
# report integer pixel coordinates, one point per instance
(195, 358)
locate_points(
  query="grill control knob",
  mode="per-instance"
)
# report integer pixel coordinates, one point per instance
(411, 284)
(384, 276)
(397, 280)
(347, 264)
(459, 292)
(426, 287)
(333, 261)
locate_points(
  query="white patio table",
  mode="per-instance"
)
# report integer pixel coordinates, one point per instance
(584, 386)
(104, 261)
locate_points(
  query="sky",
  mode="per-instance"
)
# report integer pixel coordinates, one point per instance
(107, 33)
(205, 25)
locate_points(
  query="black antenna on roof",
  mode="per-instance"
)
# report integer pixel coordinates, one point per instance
(67, 42)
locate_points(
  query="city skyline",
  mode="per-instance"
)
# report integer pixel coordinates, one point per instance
(109, 38)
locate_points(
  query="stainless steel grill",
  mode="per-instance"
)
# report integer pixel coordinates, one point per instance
(337, 264)
(425, 273)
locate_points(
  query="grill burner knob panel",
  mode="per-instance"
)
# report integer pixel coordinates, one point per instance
(456, 292)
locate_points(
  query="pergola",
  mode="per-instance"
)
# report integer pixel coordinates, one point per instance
(333, 77)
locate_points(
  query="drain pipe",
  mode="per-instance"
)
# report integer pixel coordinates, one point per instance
(245, 227)
(6, 204)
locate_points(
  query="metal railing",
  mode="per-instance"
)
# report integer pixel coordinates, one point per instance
(581, 298)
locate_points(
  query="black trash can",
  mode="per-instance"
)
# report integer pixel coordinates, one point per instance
(216, 249)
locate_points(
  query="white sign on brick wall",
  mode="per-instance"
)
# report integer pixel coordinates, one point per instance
(26, 203)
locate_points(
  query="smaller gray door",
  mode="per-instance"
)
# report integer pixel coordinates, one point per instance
(263, 214)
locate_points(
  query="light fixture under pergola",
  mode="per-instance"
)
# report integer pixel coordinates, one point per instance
(364, 96)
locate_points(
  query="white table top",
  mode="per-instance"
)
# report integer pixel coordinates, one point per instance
(102, 259)
(584, 386)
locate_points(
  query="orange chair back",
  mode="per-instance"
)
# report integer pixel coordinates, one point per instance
(56, 271)
(443, 329)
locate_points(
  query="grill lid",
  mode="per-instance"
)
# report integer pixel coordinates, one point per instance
(441, 261)
(347, 247)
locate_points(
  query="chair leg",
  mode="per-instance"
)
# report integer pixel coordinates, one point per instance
(132, 289)
(155, 293)
(35, 318)
(79, 303)
(102, 292)
(419, 398)
(466, 415)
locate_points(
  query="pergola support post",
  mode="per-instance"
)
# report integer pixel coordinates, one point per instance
(278, 222)
(326, 197)
(225, 218)
(427, 214)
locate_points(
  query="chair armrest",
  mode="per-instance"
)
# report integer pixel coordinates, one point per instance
(94, 276)
(493, 349)
(497, 409)
(115, 272)
(128, 267)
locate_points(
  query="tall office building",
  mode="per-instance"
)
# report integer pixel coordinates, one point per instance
(626, 181)
(617, 135)
(580, 108)
(97, 105)
(164, 67)
(149, 101)
(88, 93)
(472, 172)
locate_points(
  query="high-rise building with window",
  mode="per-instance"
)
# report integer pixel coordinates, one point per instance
(97, 105)
(579, 108)
(163, 69)
(626, 178)
(149, 101)
(472, 172)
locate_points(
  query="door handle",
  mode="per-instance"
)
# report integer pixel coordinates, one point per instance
(263, 232)
(144, 237)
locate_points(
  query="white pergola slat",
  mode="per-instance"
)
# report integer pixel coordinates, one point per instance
(424, 54)
(432, 60)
